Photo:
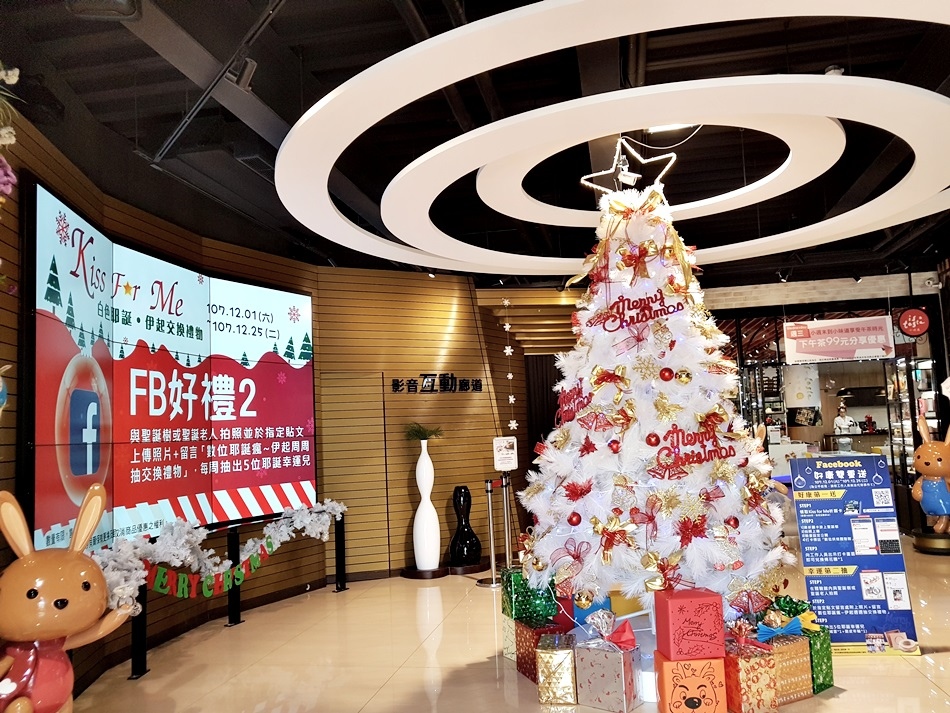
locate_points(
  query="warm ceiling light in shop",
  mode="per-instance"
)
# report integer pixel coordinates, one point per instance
(784, 274)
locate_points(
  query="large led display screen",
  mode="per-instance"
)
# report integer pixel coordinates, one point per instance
(187, 396)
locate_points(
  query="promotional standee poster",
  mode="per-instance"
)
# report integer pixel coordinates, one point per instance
(851, 553)
(186, 396)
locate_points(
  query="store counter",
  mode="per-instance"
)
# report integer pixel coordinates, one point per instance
(860, 442)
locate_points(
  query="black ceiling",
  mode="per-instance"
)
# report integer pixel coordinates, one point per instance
(119, 71)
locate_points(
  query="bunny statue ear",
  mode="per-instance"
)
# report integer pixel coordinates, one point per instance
(90, 512)
(14, 526)
(923, 428)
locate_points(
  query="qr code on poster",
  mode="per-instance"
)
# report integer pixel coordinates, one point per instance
(882, 497)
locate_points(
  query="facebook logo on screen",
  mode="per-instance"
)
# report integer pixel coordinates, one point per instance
(84, 432)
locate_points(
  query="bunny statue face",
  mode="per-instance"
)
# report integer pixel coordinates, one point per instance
(932, 489)
(47, 596)
(50, 601)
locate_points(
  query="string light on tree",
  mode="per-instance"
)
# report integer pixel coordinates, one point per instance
(674, 487)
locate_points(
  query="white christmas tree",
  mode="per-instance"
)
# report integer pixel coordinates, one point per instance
(650, 480)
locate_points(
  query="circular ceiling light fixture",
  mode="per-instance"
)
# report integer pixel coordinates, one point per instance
(319, 138)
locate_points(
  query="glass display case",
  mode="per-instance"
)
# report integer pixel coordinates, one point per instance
(910, 393)
(761, 399)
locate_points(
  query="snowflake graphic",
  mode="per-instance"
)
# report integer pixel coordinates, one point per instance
(201, 279)
(513, 425)
(62, 228)
(281, 377)
(294, 314)
(260, 473)
(509, 351)
(125, 340)
(511, 398)
(309, 429)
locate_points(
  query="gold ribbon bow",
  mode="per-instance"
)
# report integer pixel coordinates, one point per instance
(624, 417)
(613, 533)
(666, 568)
(617, 377)
(591, 261)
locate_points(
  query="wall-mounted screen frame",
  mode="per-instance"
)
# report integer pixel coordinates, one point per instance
(186, 395)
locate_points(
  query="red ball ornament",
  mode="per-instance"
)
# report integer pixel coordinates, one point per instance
(574, 519)
(743, 463)
(667, 374)
(614, 446)
(733, 522)
(653, 440)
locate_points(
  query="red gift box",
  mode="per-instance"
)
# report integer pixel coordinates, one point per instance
(697, 686)
(527, 636)
(689, 624)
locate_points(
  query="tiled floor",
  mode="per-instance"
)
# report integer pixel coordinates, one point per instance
(398, 645)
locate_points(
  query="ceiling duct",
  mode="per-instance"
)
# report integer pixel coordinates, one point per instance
(123, 10)
(256, 156)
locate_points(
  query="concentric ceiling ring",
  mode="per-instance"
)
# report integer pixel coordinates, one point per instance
(815, 144)
(897, 108)
(314, 144)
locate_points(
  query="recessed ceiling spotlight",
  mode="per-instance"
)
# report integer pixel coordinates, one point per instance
(834, 70)
(432, 275)
(856, 277)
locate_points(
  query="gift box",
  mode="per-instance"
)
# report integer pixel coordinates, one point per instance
(792, 668)
(508, 648)
(689, 624)
(698, 685)
(621, 605)
(527, 635)
(555, 664)
(750, 678)
(522, 602)
(819, 645)
(608, 677)
(571, 615)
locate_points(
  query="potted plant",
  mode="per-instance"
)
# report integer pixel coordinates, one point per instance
(426, 531)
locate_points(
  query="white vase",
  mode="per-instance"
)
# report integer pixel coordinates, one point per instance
(426, 532)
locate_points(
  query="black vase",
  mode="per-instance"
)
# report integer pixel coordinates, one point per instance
(465, 548)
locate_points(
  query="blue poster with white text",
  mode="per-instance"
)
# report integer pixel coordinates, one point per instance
(851, 553)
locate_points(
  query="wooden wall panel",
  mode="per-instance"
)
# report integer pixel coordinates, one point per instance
(369, 327)
(352, 464)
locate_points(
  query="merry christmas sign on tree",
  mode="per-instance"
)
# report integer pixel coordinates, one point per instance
(650, 480)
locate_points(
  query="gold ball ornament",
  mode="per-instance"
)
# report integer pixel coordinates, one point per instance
(538, 564)
(583, 600)
(684, 376)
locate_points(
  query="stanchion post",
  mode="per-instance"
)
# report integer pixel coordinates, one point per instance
(492, 581)
(234, 593)
(506, 491)
(139, 637)
(339, 538)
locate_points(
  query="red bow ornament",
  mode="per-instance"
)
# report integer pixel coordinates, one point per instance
(613, 533)
(565, 573)
(710, 495)
(647, 517)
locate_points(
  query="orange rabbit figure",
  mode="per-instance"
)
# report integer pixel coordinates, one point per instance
(932, 489)
(50, 601)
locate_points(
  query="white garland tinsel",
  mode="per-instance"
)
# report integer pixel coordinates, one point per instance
(179, 544)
